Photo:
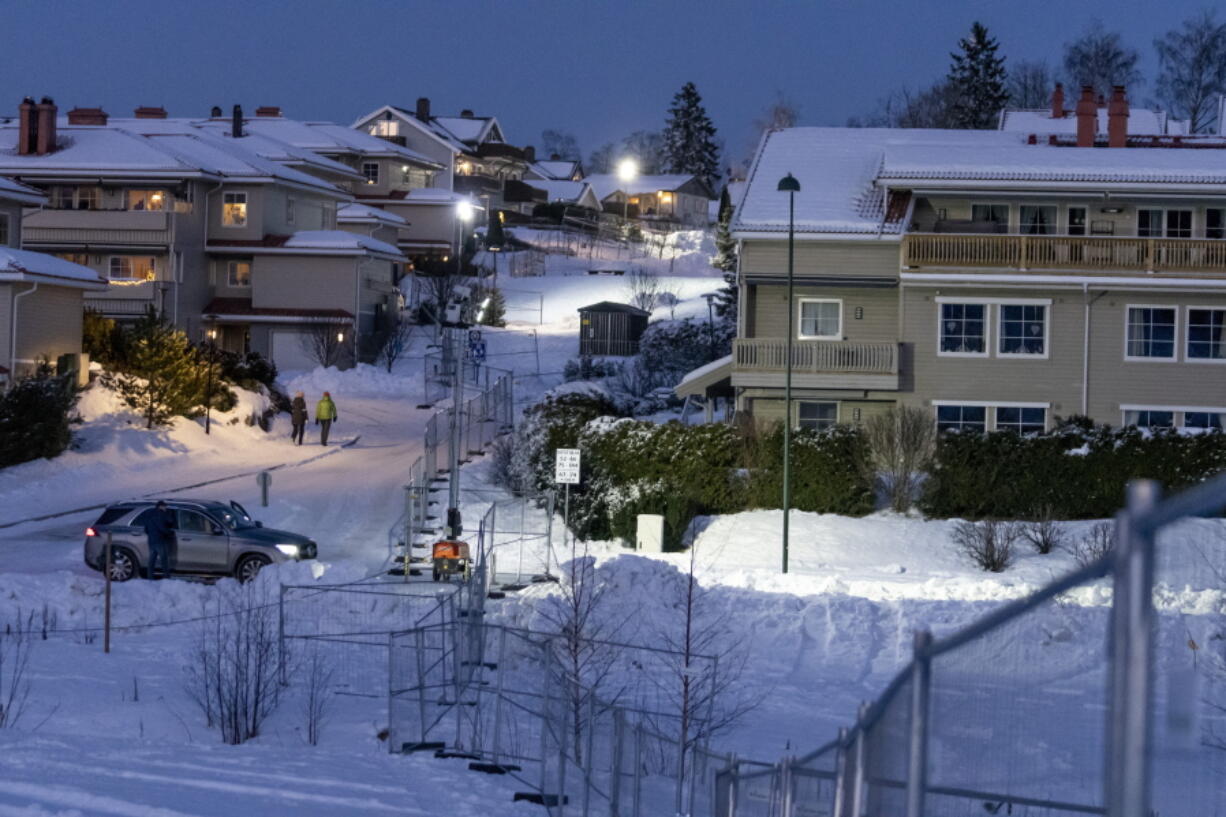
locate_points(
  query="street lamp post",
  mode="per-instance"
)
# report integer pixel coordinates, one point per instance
(710, 298)
(789, 185)
(208, 389)
(627, 171)
(464, 214)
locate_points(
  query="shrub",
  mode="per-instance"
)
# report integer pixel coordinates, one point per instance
(1043, 531)
(589, 368)
(825, 478)
(669, 350)
(35, 419)
(898, 446)
(1097, 542)
(988, 543)
(103, 340)
(164, 375)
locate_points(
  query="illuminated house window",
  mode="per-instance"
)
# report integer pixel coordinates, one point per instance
(132, 268)
(234, 210)
(386, 127)
(238, 273)
(147, 200)
(371, 171)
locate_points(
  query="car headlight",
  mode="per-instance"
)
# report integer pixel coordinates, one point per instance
(288, 550)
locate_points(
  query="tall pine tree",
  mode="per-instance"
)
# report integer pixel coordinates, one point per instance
(689, 137)
(164, 375)
(977, 77)
(725, 260)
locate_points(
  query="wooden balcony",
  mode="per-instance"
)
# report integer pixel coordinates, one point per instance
(815, 364)
(1041, 253)
(73, 228)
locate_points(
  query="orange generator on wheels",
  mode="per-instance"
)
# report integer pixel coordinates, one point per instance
(451, 557)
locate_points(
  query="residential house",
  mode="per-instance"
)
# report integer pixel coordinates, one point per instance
(41, 296)
(1059, 120)
(571, 193)
(196, 221)
(681, 199)
(994, 280)
(555, 168)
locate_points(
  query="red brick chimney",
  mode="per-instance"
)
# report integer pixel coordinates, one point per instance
(423, 108)
(1117, 118)
(529, 153)
(1087, 118)
(1057, 102)
(149, 112)
(45, 139)
(268, 110)
(27, 132)
(87, 116)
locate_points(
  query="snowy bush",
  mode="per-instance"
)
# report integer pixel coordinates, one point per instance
(1043, 531)
(826, 477)
(1097, 542)
(988, 543)
(589, 368)
(35, 419)
(669, 350)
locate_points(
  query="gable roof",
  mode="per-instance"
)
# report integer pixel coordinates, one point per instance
(354, 213)
(471, 130)
(23, 265)
(557, 169)
(566, 191)
(606, 184)
(409, 117)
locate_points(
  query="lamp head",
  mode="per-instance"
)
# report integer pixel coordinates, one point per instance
(627, 169)
(464, 210)
(788, 184)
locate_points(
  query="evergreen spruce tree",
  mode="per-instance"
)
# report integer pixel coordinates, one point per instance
(164, 376)
(977, 77)
(725, 260)
(689, 137)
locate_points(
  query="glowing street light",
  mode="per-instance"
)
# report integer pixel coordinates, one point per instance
(464, 210)
(627, 171)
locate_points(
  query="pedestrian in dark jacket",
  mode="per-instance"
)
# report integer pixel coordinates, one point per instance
(298, 417)
(160, 524)
(325, 416)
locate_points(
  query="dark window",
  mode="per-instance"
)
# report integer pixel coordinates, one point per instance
(1206, 338)
(1178, 223)
(1076, 221)
(1021, 420)
(1149, 223)
(994, 213)
(961, 418)
(1150, 419)
(818, 416)
(1215, 223)
(1151, 332)
(1022, 329)
(1202, 419)
(963, 328)
(1037, 219)
(111, 514)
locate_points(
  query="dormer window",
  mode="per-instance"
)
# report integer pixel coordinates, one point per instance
(371, 171)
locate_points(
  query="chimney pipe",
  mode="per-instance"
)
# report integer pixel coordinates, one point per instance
(27, 134)
(236, 122)
(1057, 102)
(423, 108)
(1087, 118)
(45, 139)
(215, 112)
(530, 153)
(150, 112)
(466, 114)
(1117, 118)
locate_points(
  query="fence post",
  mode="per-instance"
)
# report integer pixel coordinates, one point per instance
(588, 764)
(785, 787)
(861, 760)
(841, 783)
(638, 769)
(1128, 726)
(615, 784)
(281, 669)
(917, 755)
(391, 677)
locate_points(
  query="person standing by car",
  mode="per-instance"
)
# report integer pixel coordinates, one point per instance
(298, 417)
(325, 416)
(159, 527)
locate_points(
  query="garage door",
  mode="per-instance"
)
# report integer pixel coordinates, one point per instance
(288, 352)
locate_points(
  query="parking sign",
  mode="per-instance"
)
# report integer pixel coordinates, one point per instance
(566, 466)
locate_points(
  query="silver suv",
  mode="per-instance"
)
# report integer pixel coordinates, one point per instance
(211, 538)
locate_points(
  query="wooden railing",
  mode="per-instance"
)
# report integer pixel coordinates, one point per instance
(1058, 252)
(816, 357)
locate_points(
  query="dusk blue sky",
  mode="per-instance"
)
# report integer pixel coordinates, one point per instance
(598, 69)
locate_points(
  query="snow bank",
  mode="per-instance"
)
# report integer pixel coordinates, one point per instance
(361, 379)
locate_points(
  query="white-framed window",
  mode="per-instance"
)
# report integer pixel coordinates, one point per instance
(1076, 221)
(155, 200)
(4, 229)
(1150, 332)
(1037, 219)
(963, 329)
(1149, 418)
(1204, 418)
(820, 319)
(234, 210)
(997, 214)
(956, 417)
(1156, 223)
(1206, 334)
(1215, 222)
(76, 198)
(132, 267)
(1021, 419)
(1023, 330)
(289, 209)
(238, 273)
(817, 416)
(385, 127)
(371, 171)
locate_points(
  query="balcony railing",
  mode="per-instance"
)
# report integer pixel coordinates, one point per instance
(1073, 253)
(816, 357)
(96, 227)
(116, 307)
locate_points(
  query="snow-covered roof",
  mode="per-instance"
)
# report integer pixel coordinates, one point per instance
(697, 380)
(567, 191)
(361, 213)
(606, 184)
(15, 191)
(23, 265)
(1141, 122)
(338, 240)
(560, 169)
(468, 129)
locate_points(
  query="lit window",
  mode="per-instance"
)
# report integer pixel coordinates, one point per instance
(234, 210)
(963, 329)
(1149, 418)
(74, 257)
(238, 273)
(371, 171)
(821, 319)
(817, 416)
(961, 418)
(132, 267)
(1021, 420)
(386, 127)
(1038, 219)
(1206, 338)
(1203, 419)
(147, 200)
(1023, 329)
(1151, 332)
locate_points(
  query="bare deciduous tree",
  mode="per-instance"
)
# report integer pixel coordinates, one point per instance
(900, 444)
(1192, 69)
(989, 543)
(1030, 84)
(16, 641)
(1099, 59)
(643, 288)
(232, 674)
(324, 343)
(318, 671)
(390, 342)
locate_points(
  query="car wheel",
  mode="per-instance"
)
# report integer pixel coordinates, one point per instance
(249, 567)
(123, 564)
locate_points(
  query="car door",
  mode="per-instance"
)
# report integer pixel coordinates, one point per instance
(203, 546)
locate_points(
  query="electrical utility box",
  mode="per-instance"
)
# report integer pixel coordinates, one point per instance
(650, 535)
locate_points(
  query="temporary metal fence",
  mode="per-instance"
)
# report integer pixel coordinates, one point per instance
(1051, 705)
(484, 415)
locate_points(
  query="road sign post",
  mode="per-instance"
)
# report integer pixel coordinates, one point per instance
(566, 470)
(264, 480)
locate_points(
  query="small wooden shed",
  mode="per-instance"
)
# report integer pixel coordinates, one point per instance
(609, 328)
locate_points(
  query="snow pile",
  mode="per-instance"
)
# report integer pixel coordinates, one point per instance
(361, 379)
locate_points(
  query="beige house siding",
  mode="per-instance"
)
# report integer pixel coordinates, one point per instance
(303, 282)
(48, 324)
(847, 258)
(10, 216)
(427, 222)
(768, 409)
(256, 214)
(878, 319)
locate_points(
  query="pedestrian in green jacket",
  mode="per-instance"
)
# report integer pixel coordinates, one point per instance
(325, 416)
